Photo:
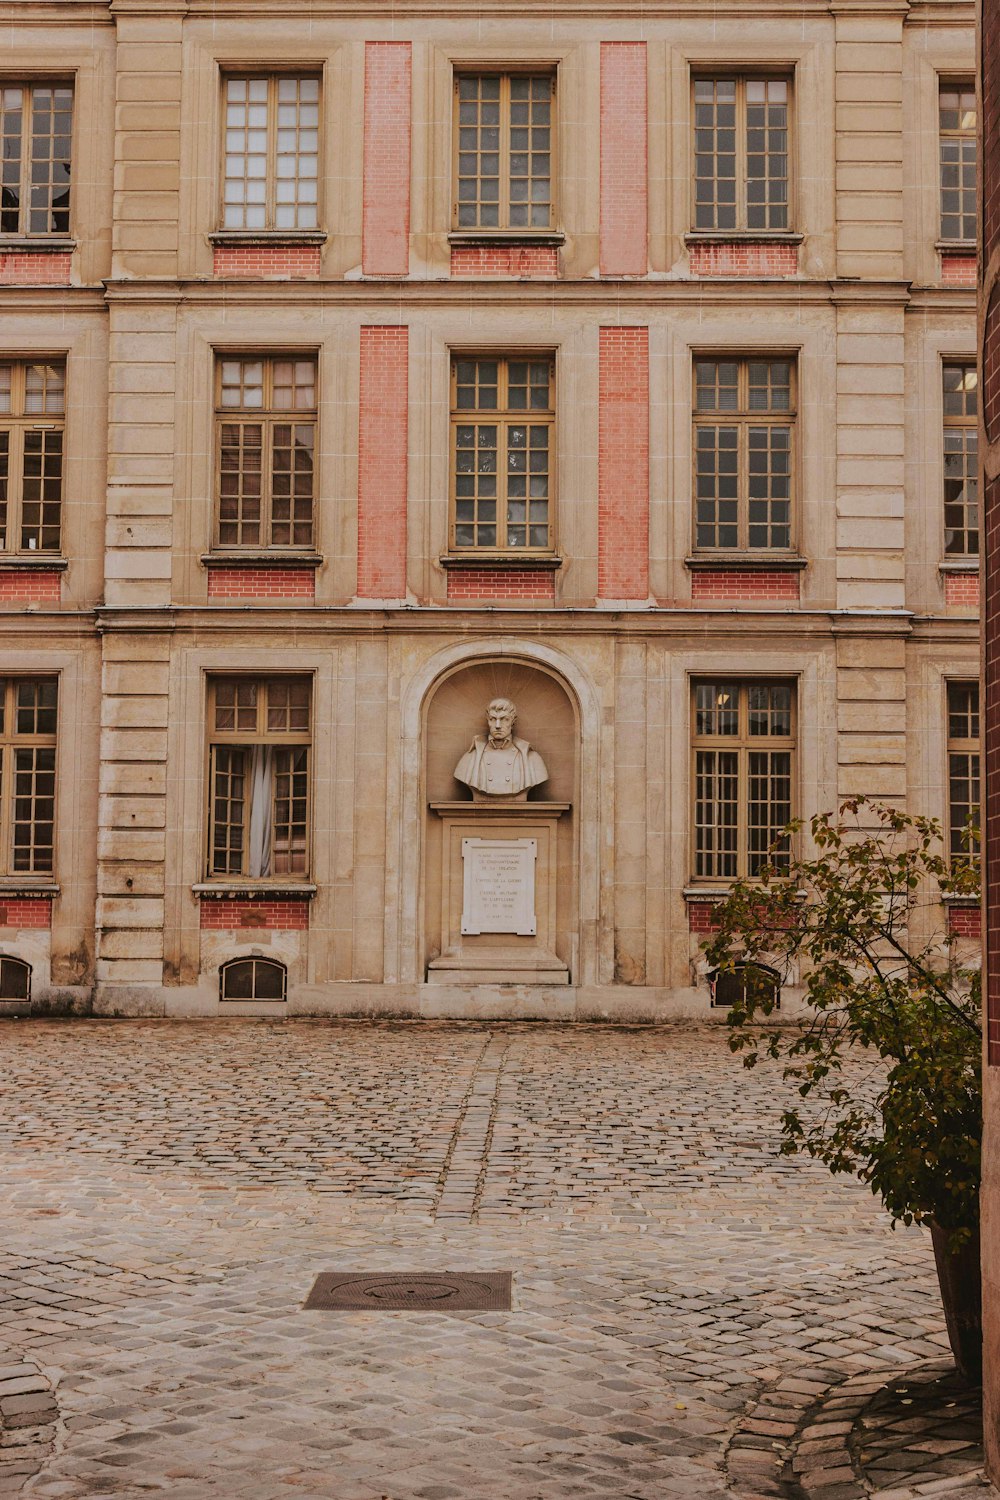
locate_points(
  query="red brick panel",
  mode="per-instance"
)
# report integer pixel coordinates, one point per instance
(961, 590)
(991, 766)
(623, 464)
(989, 186)
(737, 584)
(965, 921)
(958, 270)
(386, 214)
(701, 916)
(35, 268)
(737, 259)
(276, 913)
(26, 911)
(523, 261)
(239, 582)
(500, 584)
(623, 159)
(29, 586)
(382, 463)
(267, 262)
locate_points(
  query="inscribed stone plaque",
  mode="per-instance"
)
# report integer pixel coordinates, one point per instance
(499, 886)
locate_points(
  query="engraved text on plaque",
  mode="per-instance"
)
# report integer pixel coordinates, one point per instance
(499, 886)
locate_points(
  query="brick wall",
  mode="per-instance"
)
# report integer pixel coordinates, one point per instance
(990, 166)
(29, 586)
(501, 584)
(26, 911)
(35, 268)
(522, 261)
(739, 259)
(737, 584)
(623, 159)
(991, 762)
(991, 367)
(958, 270)
(275, 914)
(623, 464)
(965, 921)
(386, 213)
(241, 582)
(961, 590)
(277, 262)
(382, 458)
(701, 916)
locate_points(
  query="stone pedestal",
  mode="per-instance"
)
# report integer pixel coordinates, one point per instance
(498, 893)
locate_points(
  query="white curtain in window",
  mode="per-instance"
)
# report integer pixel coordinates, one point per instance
(261, 810)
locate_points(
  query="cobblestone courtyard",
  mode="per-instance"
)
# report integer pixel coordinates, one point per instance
(693, 1316)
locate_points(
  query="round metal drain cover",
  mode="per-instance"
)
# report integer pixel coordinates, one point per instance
(411, 1291)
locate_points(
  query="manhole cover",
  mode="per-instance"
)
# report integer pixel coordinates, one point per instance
(411, 1291)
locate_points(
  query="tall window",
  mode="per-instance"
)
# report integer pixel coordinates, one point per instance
(266, 421)
(259, 743)
(32, 406)
(957, 115)
(741, 153)
(743, 734)
(502, 429)
(963, 768)
(961, 472)
(27, 774)
(744, 415)
(36, 123)
(271, 153)
(504, 147)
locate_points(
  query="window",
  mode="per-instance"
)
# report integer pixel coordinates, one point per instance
(32, 404)
(503, 125)
(266, 420)
(957, 117)
(271, 153)
(741, 154)
(252, 979)
(27, 774)
(961, 463)
(502, 429)
(36, 123)
(728, 987)
(743, 744)
(258, 777)
(744, 416)
(963, 769)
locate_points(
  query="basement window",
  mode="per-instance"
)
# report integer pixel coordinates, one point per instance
(728, 987)
(15, 979)
(253, 979)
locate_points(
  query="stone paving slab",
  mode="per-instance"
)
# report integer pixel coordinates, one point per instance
(173, 1190)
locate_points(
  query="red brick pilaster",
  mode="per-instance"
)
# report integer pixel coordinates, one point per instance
(386, 214)
(623, 159)
(382, 455)
(623, 464)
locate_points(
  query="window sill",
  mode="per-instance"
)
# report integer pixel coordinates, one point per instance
(949, 898)
(223, 890)
(705, 892)
(34, 561)
(506, 237)
(960, 565)
(11, 887)
(268, 237)
(261, 557)
(56, 244)
(547, 563)
(956, 247)
(743, 237)
(763, 562)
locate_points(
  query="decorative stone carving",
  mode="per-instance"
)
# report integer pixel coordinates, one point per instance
(500, 765)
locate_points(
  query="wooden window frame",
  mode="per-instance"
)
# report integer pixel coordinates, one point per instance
(11, 742)
(15, 425)
(959, 86)
(273, 77)
(741, 230)
(968, 747)
(504, 230)
(268, 417)
(743, 419)
(28, 87)
(742, 743)
(241, 739)
(502, 418)
(969, 425)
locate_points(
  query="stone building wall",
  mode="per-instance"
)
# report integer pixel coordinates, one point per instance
(864, 615)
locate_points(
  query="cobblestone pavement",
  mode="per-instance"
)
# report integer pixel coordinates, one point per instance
(689, 1309)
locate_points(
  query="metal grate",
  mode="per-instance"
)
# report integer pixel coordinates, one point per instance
(411, 1291)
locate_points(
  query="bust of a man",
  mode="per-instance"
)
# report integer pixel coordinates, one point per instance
(500, 765)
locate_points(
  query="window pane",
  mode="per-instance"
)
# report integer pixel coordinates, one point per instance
(957, 125)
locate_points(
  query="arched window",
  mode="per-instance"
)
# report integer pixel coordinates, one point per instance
(15, 979)
(729, 986)
(252, 979)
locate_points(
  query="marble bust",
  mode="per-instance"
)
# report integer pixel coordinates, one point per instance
(500, 765)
